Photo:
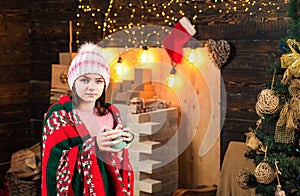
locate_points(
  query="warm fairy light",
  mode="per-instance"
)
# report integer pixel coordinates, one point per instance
(169, 12)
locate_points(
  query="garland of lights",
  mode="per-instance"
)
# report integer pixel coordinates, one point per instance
(167, 12)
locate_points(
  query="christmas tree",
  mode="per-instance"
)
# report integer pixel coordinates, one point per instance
(274, 142)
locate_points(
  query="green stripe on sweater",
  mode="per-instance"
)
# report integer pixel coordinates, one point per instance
(53, 162)
(56, 107)
(77, 183)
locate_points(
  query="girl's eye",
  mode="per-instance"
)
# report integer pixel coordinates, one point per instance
(100, 81)
(84, 80)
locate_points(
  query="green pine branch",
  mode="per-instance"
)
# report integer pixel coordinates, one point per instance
(287, 155)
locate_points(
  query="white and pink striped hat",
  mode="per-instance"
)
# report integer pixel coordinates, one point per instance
(88, 60)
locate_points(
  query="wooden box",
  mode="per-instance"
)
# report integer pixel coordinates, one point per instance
(66, 58)
(142, 76)
(59, 78)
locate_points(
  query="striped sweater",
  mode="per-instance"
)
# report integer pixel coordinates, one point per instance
(72, 163)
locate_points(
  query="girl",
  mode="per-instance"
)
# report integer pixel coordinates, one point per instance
(83, 139)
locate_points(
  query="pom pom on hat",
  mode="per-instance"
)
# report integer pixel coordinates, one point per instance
(88, 60)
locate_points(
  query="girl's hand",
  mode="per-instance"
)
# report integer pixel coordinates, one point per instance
(127, 135)
(106, 136)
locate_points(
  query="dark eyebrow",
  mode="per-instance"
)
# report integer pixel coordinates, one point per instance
(100, 77)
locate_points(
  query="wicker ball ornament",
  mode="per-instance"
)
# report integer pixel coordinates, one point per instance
(264, 173)
(267, 102)
(242, 178)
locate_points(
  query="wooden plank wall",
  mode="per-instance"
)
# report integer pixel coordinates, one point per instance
(15, 132)
(32, 33)
(49, 36)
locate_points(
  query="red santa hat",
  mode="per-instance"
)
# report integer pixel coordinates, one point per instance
(174, 41)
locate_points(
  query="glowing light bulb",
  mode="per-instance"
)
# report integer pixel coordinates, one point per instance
(144, 56)
(119, 67)
(171, 78)
(192, 56)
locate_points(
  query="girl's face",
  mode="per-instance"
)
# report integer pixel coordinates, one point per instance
(89, 87)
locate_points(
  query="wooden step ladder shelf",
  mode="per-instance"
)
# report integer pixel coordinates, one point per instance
(152, 131)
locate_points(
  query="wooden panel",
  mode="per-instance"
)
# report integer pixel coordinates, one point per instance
(15, 4)
(14, 21)
(242, 31)
(14, 78)
(41, 71)
(255, 54)
(54, 31)
(39, 100)
(14, 93)
(49, 36)
(15, 55)
(14, 73)
(15, 128)
(16, 112)
(39, 91)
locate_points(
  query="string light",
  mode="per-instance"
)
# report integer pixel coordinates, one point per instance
(169, 12)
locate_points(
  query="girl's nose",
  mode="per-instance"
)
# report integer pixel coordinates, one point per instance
(92, 86)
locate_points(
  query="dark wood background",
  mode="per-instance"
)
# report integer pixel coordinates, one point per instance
(34, 32)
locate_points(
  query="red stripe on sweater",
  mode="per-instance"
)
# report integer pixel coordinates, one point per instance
(97, 177)
(58, 136)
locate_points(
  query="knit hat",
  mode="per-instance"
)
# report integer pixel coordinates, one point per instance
(88, 60)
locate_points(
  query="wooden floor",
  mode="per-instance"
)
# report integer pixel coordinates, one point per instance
(205, 191)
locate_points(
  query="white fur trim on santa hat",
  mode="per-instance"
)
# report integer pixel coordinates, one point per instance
(184, 21)
(88, 60)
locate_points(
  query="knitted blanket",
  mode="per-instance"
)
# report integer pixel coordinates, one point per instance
(72, 163)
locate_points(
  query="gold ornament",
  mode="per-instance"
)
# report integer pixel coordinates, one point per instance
(290, 114)
(294, 88)
(242, 178)
(267, 102)
(287, 59)
(264, 173)
(291, 61)
(254, 143)
(294, 69)
(289, 118)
